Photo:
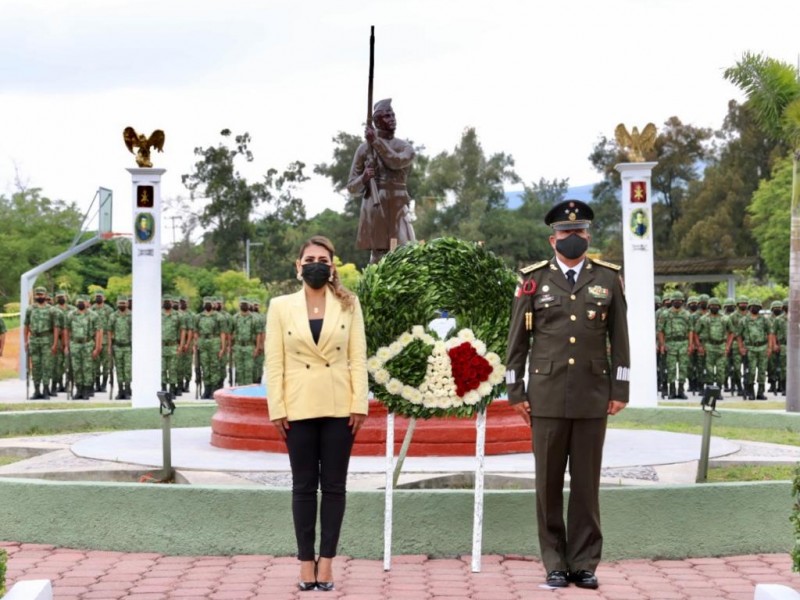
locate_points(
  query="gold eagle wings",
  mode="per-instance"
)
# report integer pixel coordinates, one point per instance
(634, 143)
(144, 143)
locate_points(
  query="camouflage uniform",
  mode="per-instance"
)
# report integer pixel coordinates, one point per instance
(243, 336)
(62, 308)
(674, 329)
(225, 320)
(209, 344)
(41, 331)
(170, 342)
(754, 332)
(102, 364)
(736, 321)
(258, 366)
(780, 325)
(714, 334)
(695, 372)
(83, 332)
(120, 337)
(185, 357)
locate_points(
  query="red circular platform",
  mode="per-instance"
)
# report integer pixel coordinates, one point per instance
(242, 423)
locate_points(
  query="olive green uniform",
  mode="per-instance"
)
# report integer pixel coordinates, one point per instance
(754, 332)
(209, 344)
(243, 336)
(42, 326)
(713, 332)
(675, 325)
(170, 339)
(120, 327)
(575, 343)
(102, 364)
(82, 328)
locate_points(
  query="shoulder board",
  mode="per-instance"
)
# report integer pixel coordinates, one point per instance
(606, 264)
(534, 266)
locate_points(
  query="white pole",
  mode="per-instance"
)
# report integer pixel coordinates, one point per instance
(387, 515)
(146, 292)
(477, 520)
(637, 242)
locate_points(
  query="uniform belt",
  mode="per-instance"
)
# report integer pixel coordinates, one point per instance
(169, 343)
(121, 344)
(79, 340)
(46, 333)
(209, 336)
(243, 344)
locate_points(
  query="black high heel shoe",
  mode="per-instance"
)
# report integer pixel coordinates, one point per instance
(307, 586)
(322, 586)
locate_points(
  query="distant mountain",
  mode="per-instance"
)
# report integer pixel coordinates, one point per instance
(580, 192)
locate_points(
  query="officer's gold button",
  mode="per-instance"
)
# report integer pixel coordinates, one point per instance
(572, 297)
(573, 318)
(571, 361)
(547, 306)
(572, 340)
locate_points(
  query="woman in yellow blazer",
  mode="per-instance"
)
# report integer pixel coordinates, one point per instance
(317, 398)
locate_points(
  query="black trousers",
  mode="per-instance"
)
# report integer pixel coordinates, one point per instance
(319, 453)
(579, 444)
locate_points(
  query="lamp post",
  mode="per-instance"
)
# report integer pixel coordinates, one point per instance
(248, 244)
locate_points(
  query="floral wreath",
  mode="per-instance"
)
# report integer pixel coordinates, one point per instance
(414, 373)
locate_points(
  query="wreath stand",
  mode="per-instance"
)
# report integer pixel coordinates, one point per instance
(392, 476)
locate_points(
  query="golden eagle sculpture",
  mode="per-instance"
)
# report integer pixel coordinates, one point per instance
(636, 144)
(144, 143)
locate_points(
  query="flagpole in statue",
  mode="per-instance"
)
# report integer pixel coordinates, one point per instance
(146, 270)
(637, 243)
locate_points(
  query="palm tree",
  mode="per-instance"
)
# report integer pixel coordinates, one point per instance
(773, 94)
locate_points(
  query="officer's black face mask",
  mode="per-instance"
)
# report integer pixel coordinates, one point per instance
(677, 304)
(777, 312)
(729, 309)
(754, 310)
(714, 310)
(573, 246)
(316, 274)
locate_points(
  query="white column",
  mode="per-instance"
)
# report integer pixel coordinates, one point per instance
(146, 292)
(637, 242)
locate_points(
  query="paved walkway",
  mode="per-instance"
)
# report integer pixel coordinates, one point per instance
(85, 575)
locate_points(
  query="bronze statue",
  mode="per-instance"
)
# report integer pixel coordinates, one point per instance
(636, 144)
(386, 160)
(134, 140)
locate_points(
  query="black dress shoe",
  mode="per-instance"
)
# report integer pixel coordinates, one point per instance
(584, 579)
(325, 586)
(557, 579)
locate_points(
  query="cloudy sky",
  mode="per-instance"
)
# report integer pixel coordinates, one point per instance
(539, 80)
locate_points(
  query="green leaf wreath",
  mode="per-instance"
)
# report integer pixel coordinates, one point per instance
(403, 293)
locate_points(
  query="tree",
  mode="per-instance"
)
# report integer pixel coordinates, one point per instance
(231, 200)
(773, 94)
(771, 215)
(679, 150)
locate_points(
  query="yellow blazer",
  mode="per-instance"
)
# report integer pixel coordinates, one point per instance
(307, 380)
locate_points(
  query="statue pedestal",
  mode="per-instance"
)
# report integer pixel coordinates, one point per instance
(242, 423)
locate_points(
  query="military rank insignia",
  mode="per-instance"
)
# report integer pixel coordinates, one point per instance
(529, 321)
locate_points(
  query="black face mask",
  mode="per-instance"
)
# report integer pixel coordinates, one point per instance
(777, 312)
(316, 274)
(714, 310)
(39, 300)
(81, 305)
(244, 307)
(692, 307)
(572, 246)
(122, 307)
(167, 305)
(754, 310)
(62, 301)
(676, 304)
(742, 307)
(130, 305)
(98, 301)
(729, 309)
(207, 306)
(703, 305)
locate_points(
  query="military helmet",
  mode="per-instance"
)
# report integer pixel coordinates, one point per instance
(713, 300)
(755, 302)
(39, 290)
(703, 298)
(742, 300)
(677, 295)
(785, 302)
(775, 304)
(692, 299)
(729, 302)
(658, 299)
(122, 299)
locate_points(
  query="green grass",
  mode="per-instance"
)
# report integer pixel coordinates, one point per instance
(737, 404)
(76, 404)
(751, 473)
(7, 460)
(772, 436)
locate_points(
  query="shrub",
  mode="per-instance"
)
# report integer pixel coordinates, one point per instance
(795, 518)
(3, 560)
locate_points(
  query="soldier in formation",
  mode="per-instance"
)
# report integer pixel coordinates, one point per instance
(42, 331)
(120, 336)
(84, 340)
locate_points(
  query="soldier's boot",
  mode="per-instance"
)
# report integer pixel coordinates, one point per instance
(97, 384)
(61, 386)
(52, 391)
(750, 393)
(79, 393)
(37, 392)
(163, 387)
(681, 395)
(185, 387)
(783, 387)
(672, 394)
(207, 392)
(760, 392)
(103, 384)
(45, 391)
(120, 392)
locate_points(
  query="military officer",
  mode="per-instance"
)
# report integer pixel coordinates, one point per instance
(714, 336)
(102, 364)
(777, 341)
(753, 338)
(673, 334)
(41, 342)
(84, 342)
(120, 337)
(569, 325)
(243, 337)
(170, 341)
